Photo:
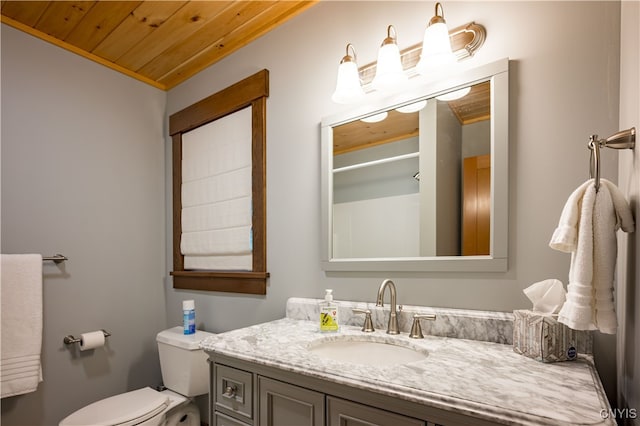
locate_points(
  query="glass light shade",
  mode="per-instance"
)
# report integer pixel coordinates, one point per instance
(414, 107)
(456, 94)
(348, 87)
(436, 49)
(375, 117)
(389, 72)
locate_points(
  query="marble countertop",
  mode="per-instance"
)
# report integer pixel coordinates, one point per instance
(478, 378)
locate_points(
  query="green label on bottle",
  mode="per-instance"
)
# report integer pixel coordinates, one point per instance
(328, 320)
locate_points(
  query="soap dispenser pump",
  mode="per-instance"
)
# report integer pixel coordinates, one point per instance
(328, 313)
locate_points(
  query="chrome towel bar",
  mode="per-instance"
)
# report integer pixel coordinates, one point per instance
(56, 258)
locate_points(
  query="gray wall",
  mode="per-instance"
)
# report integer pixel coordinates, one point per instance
(83, 175)
(99, 135)
(629, 245)
(564, 86)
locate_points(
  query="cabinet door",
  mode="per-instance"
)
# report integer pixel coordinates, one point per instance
(346, 413)
(282, 404)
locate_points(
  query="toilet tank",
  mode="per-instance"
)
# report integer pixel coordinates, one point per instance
(184, 365)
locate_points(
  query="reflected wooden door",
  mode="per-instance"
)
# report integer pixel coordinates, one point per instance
(476, 206)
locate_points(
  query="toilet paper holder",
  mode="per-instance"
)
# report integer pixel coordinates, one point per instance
(70, 339)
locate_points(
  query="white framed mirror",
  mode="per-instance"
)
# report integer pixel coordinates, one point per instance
(418, 181)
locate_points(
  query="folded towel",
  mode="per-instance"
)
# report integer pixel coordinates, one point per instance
(587, 228)
(21, 328)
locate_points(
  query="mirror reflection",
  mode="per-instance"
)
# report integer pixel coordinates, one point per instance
(418, 180)
(415, 181)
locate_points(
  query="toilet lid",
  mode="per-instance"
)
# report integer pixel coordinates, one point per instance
(120, 409)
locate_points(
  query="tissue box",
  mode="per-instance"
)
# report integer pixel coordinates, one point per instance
(543, 338)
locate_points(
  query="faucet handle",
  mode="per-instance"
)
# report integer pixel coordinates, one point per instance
(367, 327)
(416, 329)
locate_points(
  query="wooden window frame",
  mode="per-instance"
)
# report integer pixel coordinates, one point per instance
(252, 91)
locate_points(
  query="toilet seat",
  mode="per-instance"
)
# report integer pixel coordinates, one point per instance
(125, 409)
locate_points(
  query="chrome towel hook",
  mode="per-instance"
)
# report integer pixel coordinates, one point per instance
(624, 139)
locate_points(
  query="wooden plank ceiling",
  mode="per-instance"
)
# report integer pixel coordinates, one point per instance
(161, 43)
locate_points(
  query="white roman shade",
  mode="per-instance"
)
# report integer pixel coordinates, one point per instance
(216, 194)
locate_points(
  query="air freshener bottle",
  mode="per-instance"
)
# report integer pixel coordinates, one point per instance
(189, 316)
(328, 313)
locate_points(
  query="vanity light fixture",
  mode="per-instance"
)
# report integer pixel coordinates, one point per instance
(456, 94)
(439, 48)
(389, 72)
(436, 45)
(348, 87)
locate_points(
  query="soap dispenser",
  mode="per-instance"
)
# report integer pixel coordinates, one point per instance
(328, 313)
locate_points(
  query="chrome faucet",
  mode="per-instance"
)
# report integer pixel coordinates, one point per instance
(392, 327)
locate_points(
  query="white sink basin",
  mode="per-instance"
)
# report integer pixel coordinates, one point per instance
(379, 352)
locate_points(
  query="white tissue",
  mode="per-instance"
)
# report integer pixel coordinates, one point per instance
(547, 296)
(92, 340)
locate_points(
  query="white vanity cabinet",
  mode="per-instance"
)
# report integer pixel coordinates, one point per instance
(244, 393)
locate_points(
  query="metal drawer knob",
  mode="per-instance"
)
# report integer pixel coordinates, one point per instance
(230, 392)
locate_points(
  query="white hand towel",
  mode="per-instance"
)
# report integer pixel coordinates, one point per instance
(577, 312)
(590, 298)
(604, 261)
(565, 236)
(21, 328)
(611, 212)
(624, 217)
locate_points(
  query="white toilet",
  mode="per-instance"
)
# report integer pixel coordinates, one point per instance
(185, 374)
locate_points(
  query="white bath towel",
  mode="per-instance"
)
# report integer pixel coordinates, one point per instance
(21, 328)
(587, 229)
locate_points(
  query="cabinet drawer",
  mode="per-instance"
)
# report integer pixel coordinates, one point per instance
(347, 413)
(234, 390)
(283, 404)
(222, 420)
